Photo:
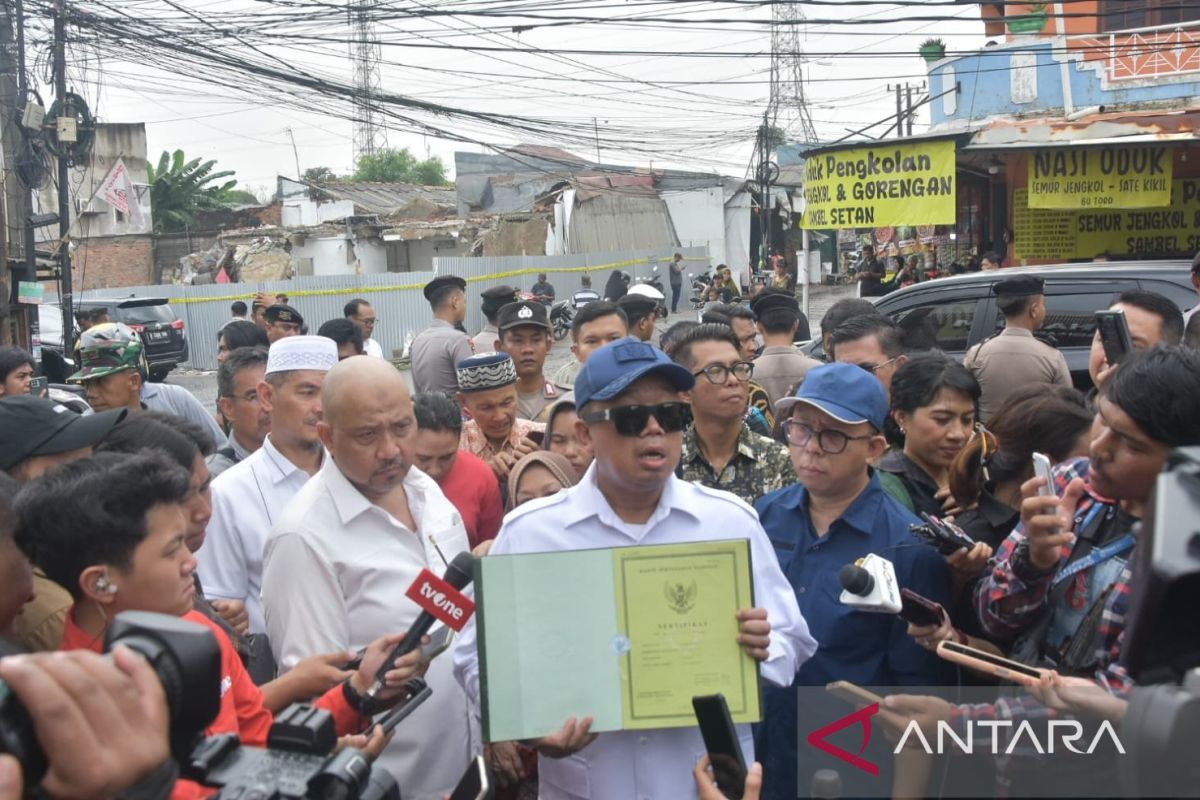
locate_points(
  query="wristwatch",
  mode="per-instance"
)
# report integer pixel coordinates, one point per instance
(1025, 569)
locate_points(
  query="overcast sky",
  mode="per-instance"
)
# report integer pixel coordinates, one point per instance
(706, 126)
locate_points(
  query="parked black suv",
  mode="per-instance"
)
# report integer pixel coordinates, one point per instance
(953, 314)
(163, 333)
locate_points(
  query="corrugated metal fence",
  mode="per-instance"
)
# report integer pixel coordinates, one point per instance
(397, 298)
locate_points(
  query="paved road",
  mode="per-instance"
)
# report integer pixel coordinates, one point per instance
(203, 384)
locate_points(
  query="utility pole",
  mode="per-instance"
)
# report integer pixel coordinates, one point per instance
(295, 152)
(899, 113)
(908, 107)
(66, 298)
(596, 128)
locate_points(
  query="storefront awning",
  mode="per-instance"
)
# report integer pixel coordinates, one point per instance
(1096, 129)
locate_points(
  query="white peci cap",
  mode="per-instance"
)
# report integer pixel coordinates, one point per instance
(302, 352)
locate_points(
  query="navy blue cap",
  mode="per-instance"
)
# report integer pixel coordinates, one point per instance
(846, 392)
(614, 367)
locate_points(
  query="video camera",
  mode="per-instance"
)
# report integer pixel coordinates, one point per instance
(185, 657)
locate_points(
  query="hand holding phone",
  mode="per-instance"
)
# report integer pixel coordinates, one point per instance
(919, 610)
(1114, 336)
(721, 742)
(1043, 469)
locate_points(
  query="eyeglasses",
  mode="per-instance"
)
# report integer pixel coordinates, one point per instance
(631, 420)
(873, 368)
(719, 373)
(368, 322)
(831, 441)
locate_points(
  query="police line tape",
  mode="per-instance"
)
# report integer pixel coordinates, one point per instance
(357, 290)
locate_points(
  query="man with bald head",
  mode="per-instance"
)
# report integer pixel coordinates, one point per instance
(341, 555)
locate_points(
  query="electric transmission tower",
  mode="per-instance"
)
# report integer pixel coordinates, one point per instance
(366, 53)
(789, 106)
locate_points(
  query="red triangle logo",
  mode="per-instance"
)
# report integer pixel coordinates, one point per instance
(860, 717)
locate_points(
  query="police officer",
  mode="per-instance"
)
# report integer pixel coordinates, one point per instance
(525, 334)
(494, 299)
(282, 321)
(641, 307)
(438, 349)
(1014, 358)
(780, 367)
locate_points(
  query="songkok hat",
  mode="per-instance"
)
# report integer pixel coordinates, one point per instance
(281, 313)
(441, 282)
(1022, 286)
(774, 300)
(497, 298)
(486, 371)
(525, 312)
(302, 352)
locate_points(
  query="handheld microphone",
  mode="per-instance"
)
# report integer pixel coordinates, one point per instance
(440, 600)
(870, 584)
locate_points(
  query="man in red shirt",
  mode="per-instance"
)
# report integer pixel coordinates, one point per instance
(466, 479)
(111, 529)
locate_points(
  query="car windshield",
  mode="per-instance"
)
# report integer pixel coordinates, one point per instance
(144, 315)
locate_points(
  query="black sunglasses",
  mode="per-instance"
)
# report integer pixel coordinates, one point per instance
(631, 420)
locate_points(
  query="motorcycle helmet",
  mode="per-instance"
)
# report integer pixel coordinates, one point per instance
(106, 349)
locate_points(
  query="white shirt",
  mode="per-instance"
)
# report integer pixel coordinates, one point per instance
(654, 764)
(372, 348)
(179, 401)
(248, 499)
(335, 572)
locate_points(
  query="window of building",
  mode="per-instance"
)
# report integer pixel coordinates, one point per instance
(1123, 15)
(397, 257)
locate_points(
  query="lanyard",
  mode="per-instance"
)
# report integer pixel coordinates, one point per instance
(1095, 557)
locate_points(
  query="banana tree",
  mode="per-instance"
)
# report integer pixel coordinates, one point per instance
(179, 188)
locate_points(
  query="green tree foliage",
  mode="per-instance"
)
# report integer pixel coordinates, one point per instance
(179, 188)
(400, 166)
(320, 175)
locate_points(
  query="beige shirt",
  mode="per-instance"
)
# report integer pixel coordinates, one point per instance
(435, 355)
(779, 368)
(1010, 360)
(531, 406)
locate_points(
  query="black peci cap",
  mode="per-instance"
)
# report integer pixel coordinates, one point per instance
(281, 313)
(525, 312)
(441, 282)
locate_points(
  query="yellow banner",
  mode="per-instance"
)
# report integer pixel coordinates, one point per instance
(881, 186)
(1117, 176)
(1169, 232)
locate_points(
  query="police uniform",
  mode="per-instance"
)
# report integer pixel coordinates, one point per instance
(1014, 358)
(494, 299)
(529, 313)
(437, 349)
(779, 369)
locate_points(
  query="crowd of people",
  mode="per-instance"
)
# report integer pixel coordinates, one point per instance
(292, 521)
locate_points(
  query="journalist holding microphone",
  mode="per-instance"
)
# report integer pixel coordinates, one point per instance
(839, 513)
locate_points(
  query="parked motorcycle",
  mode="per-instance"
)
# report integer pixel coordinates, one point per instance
(562, 314)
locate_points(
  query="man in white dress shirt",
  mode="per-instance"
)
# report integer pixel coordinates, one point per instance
(633, 411)
(348, 546)
(250, 496)
(361, 313)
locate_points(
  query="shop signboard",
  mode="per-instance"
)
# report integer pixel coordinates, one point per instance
(1111, 177)
(911, 183)
(1172, 231)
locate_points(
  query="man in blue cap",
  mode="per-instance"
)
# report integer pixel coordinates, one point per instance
(837, 514)
(632, 410)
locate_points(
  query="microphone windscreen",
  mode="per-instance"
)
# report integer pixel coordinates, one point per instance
(461, 570)
(856, 580)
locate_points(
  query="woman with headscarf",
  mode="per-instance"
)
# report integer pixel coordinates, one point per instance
(560, 436)
(616, 287)
(539, 474)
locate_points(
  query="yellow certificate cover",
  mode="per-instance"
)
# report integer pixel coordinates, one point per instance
(625, 635)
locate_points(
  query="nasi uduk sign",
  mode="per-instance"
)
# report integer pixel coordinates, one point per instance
(1115, 176)
(911, 183)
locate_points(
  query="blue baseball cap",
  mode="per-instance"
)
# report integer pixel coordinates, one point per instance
(614, 367)
(846, 392)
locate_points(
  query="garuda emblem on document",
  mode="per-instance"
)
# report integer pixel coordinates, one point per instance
(681, 599)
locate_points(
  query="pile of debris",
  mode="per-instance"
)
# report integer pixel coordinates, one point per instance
(237, 257)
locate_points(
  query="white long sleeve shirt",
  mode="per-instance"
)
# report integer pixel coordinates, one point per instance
(334, 576)
(655, 764)
(248, 499)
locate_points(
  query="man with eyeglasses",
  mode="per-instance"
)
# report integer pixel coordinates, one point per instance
(359, 312)
(872, 342)
(719, 451)
(632, 411)
(837, 514)
(237, 398)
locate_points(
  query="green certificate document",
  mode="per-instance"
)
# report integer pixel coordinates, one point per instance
(626, 635)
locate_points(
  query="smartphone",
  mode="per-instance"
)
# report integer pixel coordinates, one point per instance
(721, 742)
(39, 385)
(418, 692)
(1114, 335)
(475, 783)
(945, 536)
(1043, 469)
(439, 639)
(989, 664)
(536, 436)
(919, 610)
(852, 693)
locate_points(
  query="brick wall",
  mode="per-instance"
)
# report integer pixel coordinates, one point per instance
(114, 261)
